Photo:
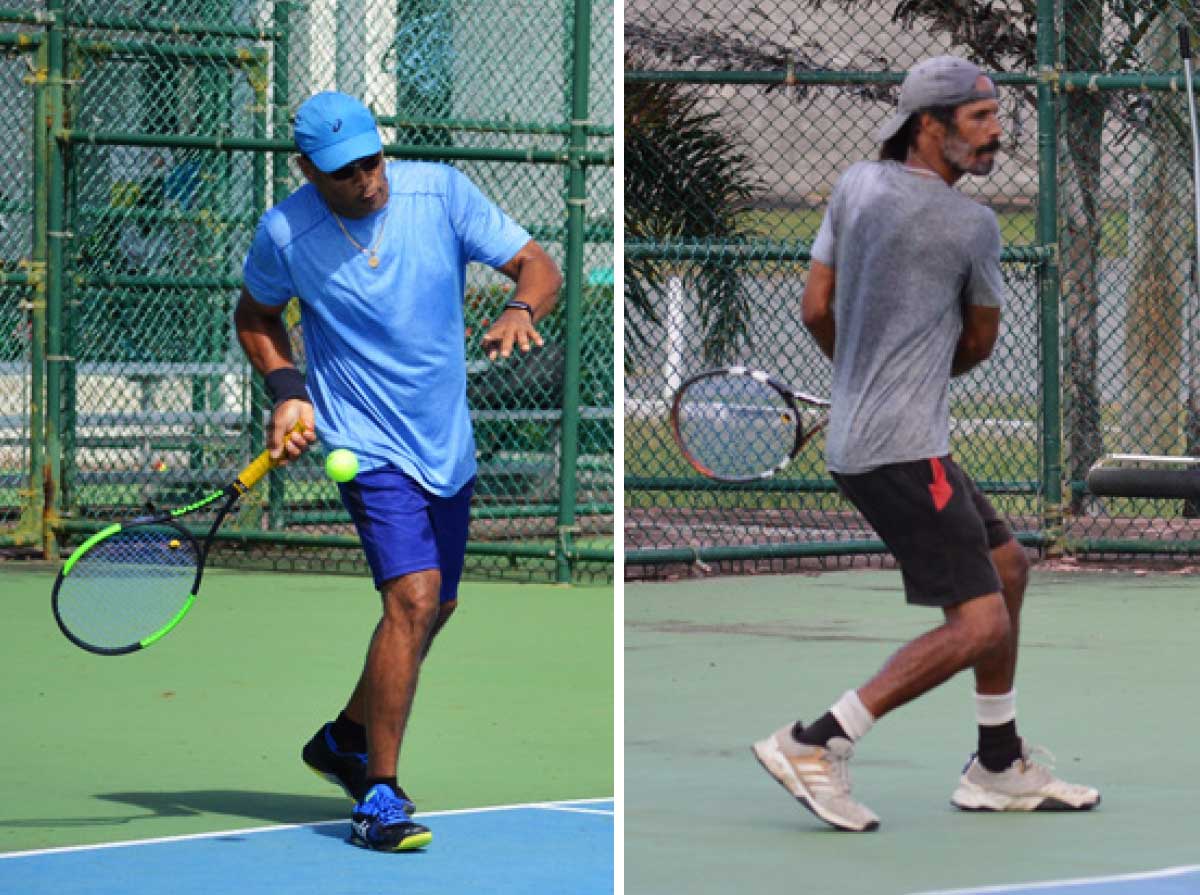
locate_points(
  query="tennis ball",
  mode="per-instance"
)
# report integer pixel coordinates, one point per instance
(341, 465)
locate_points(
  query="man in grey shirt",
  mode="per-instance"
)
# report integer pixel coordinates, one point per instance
(905, 292)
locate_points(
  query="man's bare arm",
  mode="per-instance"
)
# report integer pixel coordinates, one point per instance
(538, 280)
(981, 326)
(817, 306)
(263, 337)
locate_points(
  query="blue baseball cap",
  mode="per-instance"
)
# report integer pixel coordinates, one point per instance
(333, 130)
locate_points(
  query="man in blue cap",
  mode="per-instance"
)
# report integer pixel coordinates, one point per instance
(377, 253)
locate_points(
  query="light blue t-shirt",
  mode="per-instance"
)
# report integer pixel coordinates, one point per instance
(385, 346)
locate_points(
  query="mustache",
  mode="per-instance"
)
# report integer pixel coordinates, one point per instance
(991, 147)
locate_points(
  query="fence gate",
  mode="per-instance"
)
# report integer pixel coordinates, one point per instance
(739, 118)
(145, 141)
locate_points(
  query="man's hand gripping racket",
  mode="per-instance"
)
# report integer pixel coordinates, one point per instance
(130, 584)
(735, 424)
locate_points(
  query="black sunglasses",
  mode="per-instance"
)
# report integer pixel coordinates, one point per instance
(366, 165)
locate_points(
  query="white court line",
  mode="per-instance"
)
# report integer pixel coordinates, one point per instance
(1083, 881)
(66, 849)
(555, 807)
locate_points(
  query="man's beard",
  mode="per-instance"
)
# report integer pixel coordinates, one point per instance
(958, 155)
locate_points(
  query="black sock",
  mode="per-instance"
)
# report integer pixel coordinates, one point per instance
(350, 736)
(999, 745)
(389, 781)
(820, 731)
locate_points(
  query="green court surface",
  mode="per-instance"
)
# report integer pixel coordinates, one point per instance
(202, 731)
(1107, 681)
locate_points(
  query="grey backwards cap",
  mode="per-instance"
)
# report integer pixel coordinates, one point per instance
(940, 81)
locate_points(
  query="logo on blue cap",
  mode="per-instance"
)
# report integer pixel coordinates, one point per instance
(334, 129)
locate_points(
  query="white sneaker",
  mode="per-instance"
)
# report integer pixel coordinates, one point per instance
(1024, 785)
(819, 777)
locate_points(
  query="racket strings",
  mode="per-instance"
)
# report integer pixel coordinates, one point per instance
(736, 427)
(128, 585)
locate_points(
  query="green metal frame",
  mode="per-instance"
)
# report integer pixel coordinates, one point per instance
(1050, 84)
(57, 133)
(28, 531)
(576, 203)
(1047, 237)
(780, 551)
(55, 236)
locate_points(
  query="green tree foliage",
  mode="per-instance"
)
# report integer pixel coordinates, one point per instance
(686, 181)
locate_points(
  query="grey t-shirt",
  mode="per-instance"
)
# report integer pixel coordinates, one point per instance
(908, 252)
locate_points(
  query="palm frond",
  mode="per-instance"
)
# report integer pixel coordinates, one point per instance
(686, 179)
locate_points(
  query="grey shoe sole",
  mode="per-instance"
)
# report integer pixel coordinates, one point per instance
(969, 797)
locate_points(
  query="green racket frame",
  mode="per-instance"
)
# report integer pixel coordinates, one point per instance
(245, 480)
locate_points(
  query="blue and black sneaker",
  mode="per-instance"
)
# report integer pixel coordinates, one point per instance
(346, 769)
(382, 822)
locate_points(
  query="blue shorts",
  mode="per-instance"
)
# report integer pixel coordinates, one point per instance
(404, 528)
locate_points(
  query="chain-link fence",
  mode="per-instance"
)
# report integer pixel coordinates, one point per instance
(145, 139)
(739, 118)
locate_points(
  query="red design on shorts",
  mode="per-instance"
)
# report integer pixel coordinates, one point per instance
(941, 489)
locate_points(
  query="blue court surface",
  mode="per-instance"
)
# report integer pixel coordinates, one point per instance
(548, 847)
(1168, 881)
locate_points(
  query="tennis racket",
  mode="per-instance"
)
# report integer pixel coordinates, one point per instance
(130, 584)
(735, 424)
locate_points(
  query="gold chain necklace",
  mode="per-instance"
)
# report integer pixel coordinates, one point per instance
(372, 252)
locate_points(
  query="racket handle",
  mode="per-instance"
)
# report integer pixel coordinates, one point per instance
(262, 464)
(1185, 42)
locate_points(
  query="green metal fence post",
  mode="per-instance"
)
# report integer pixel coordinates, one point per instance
(30, 530)
(1047, 237)
(55, 205)
(280, 67)
(573, 322)
(277, 99)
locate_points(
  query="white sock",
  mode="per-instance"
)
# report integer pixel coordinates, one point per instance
(852, 715)
(992, 711)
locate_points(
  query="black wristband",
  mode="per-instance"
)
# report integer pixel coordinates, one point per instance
(520, 306)
(286, 384)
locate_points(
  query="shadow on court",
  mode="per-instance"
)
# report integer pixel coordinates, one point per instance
(262, 806)
(1107, 671)
(268, 807)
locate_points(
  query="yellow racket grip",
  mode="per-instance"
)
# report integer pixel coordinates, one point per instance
(261, 465)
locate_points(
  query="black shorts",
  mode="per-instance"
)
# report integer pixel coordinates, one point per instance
(937, 524)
